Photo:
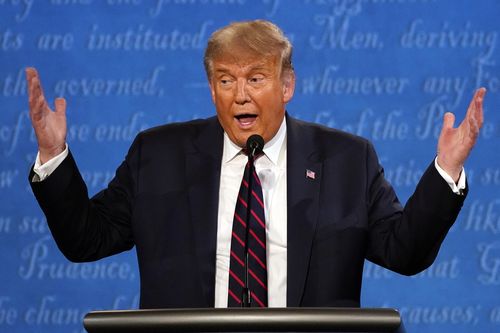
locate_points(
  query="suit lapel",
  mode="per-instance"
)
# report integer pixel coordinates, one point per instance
(302, 201)
(203, 165)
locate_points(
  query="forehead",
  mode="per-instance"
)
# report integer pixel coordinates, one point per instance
(244, 62)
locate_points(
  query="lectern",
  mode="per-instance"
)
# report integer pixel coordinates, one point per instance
(245, 320)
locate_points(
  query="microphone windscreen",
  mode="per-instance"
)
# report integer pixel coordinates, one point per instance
(255, 144)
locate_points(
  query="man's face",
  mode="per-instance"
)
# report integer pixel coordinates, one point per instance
(249, 96)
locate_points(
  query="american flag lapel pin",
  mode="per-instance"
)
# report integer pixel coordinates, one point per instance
(310, 174)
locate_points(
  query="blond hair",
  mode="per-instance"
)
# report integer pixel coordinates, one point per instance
(258, 38)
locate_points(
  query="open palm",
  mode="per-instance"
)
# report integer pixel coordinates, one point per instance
(455, 144)
(50, 126)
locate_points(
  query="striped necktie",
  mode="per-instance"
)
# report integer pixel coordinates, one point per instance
(257, 268)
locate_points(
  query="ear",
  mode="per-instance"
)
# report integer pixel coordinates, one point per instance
(288, 86)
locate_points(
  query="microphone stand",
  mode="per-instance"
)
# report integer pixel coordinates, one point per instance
(254, 145)
(246, 297)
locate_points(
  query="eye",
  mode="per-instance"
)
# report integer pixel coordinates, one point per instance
(256, 79)
(225, 82)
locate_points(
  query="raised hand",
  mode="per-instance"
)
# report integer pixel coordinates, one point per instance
(455, 144)
(50, 126)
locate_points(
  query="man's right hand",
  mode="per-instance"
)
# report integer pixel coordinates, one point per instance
(50, 126)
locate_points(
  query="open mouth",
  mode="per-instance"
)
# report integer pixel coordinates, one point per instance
(246, 119)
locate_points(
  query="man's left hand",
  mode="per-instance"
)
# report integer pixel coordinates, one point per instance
(455, 144)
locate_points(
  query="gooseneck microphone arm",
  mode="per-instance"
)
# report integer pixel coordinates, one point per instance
(254, 146)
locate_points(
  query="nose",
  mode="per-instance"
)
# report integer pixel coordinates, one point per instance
(242, 96)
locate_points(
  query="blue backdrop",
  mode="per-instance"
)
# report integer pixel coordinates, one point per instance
(383, 69)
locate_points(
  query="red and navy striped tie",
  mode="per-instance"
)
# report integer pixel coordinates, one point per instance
(257, 268)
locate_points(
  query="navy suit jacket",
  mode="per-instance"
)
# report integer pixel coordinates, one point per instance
(164, 201)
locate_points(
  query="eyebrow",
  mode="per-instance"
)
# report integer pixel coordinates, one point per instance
(221, 72)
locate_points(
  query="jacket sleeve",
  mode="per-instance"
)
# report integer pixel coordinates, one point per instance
(89, 229)
(407, 239)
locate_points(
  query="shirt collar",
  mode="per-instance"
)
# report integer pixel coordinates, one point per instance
(271, 149)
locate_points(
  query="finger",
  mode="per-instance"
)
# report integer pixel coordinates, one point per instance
(474, 126)
(448, 121)
(60, 107)
(40, 105)
(475, 110)
(35, 90)
(37, 87)
(473, 131)
(478, 112)
(478, 96)
(34, 95)
(36, 102)
(39, 108)
(30, 74)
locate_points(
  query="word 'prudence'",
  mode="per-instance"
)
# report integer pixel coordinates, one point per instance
(37, 266)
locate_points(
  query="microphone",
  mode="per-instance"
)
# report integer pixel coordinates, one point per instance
(254, 146)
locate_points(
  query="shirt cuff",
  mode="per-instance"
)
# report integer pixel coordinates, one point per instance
(458, 187)
(42, 171)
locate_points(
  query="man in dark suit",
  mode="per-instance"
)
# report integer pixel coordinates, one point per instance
(328, 206)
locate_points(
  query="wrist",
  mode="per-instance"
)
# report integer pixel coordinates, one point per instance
(48, 154)
(453, 171)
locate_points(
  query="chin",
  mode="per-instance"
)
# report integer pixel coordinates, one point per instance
(241, 141)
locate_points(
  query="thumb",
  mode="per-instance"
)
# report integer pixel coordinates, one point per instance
(60, 106)
(448, 121)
